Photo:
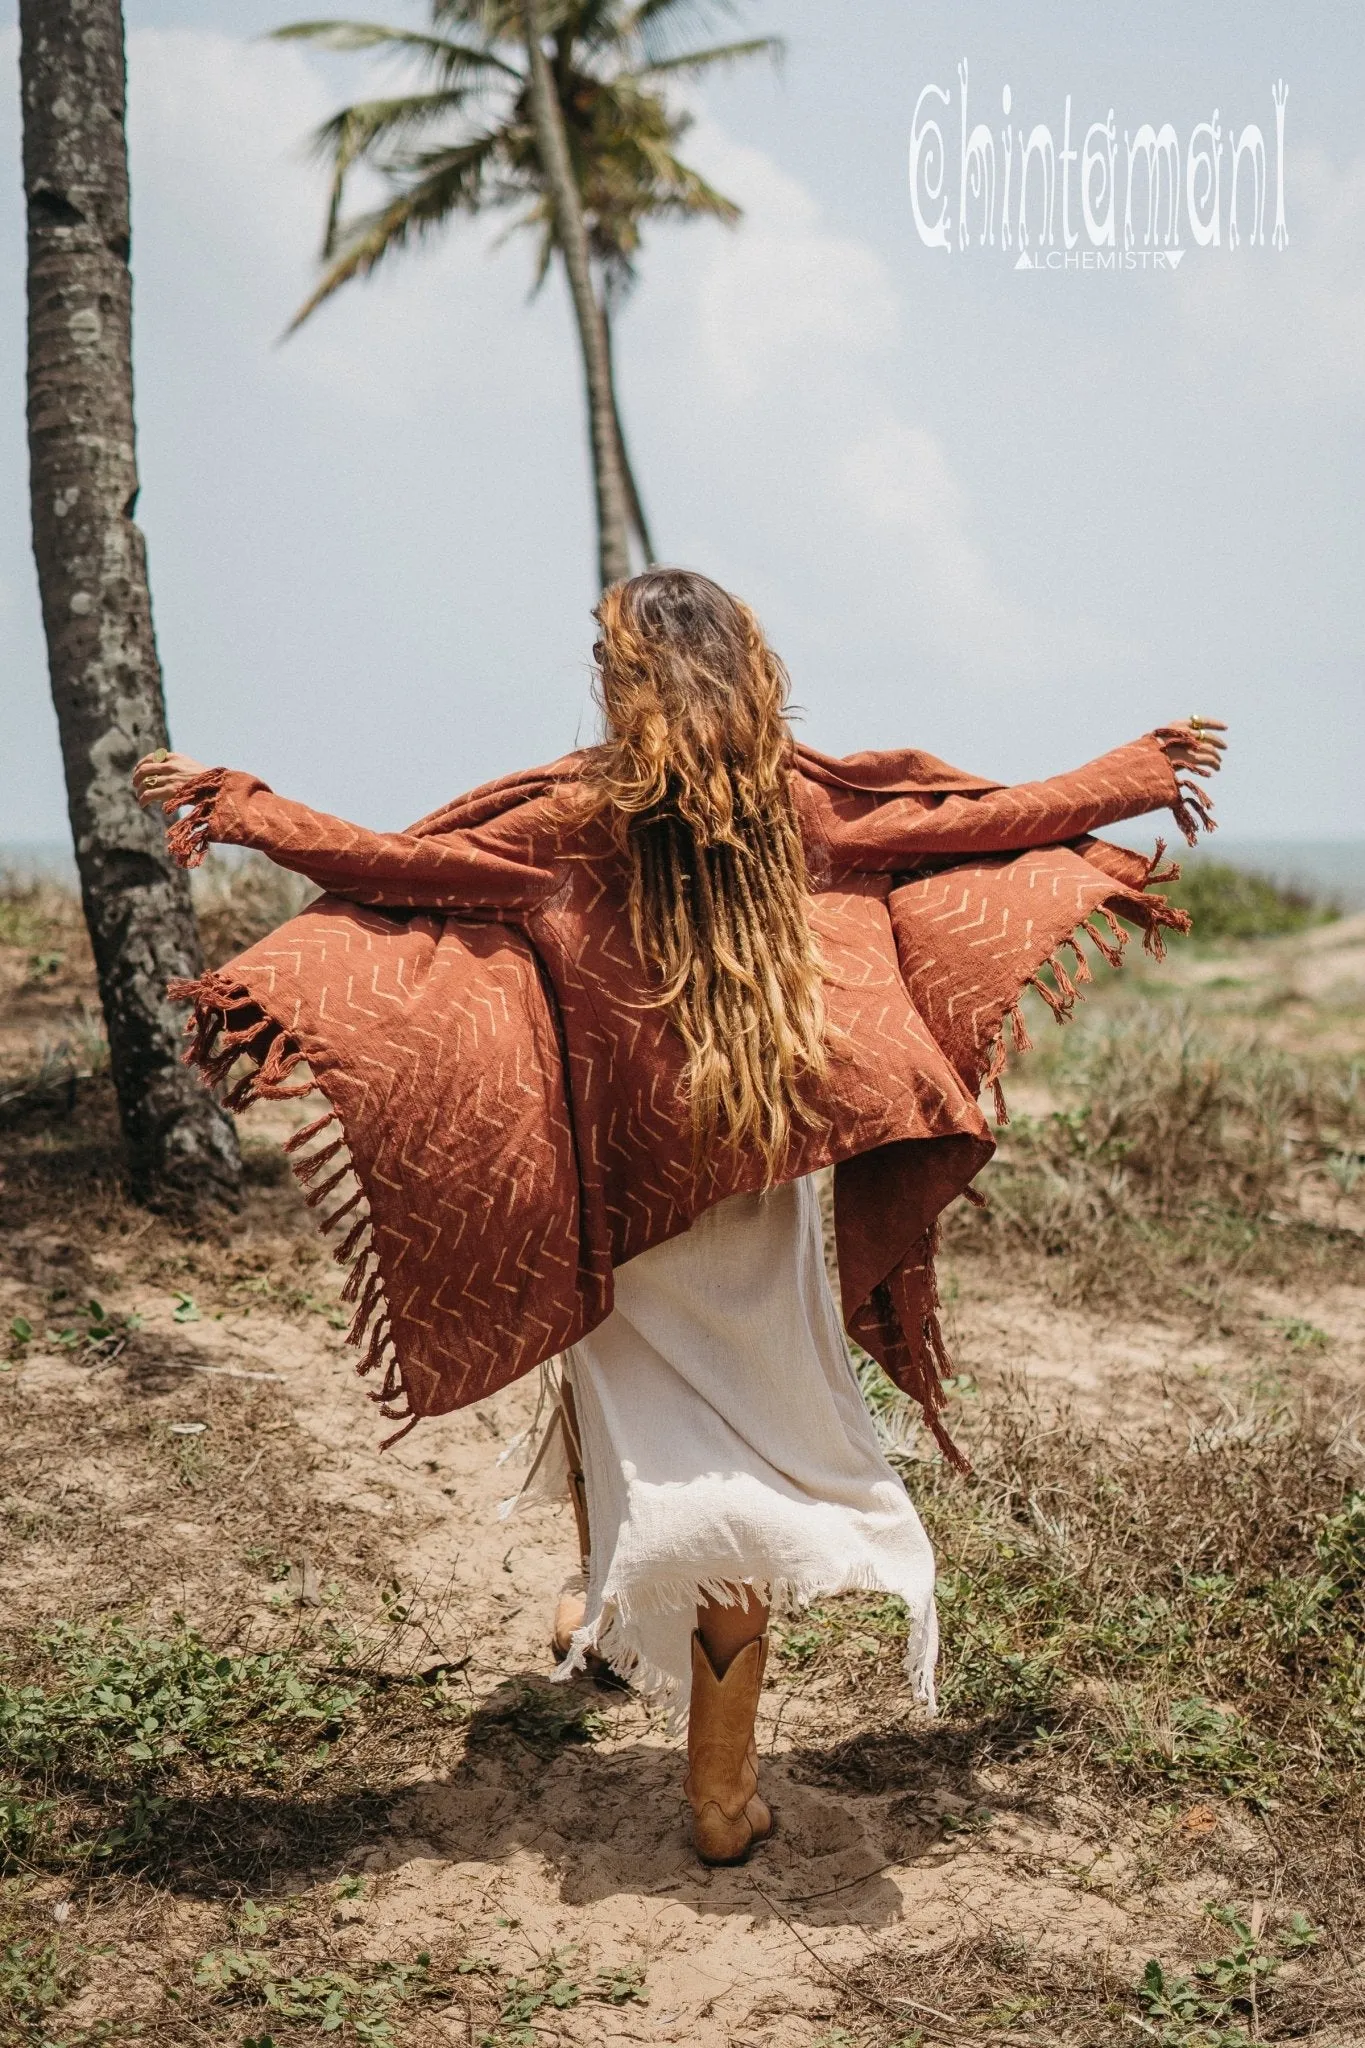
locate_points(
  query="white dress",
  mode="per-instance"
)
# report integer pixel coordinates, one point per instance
(726, 1444)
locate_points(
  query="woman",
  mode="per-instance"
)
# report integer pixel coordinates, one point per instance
(585, 1034)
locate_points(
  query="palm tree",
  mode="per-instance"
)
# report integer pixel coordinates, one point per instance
(92, 578)
(558, 110)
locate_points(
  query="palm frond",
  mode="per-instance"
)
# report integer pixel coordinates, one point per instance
(655, 185)
(357, 132)
(497, 21)
(675, 13)
(616, 60)
(447, 181)
(682, 191)
(691, 63)
(545, 248)
(353, 131)
(443, 53)
(662, 24)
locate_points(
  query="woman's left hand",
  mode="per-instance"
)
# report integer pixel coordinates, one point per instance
(156, 775)
(1194, 744)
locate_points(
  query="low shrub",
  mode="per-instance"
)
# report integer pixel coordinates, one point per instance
(1228, 902)
(1172, 1147)
(1173, 1618)
(101, 1727)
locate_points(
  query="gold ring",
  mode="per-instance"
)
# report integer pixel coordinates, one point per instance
(162, 754)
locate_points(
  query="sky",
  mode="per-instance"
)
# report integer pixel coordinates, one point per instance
(1015, 517)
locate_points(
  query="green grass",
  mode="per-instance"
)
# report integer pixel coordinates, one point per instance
(124, 1750)
(101, 1727)
(1228, 902)
(1220, 2001)
(267, 1989)
(1257, 1981)
(241, 897)
(1174, 1158)
(359, 2003)
(116, 1699)
(37, 1977)
(538, 1716)
(35, 912)
(1168, 1621)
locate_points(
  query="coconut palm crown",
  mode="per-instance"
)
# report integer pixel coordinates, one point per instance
(465, 138)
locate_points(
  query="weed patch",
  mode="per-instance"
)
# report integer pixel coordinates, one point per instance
(355, 2004)
(37, 1977)
(242, 897)
(272, 1988)
(1253, 1986)
(1228, 902)
(1177, 1158)
(537, 1716)
(104, 1731)
(1183, 1623)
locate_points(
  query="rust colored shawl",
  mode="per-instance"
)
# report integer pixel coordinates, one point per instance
(506, 1122)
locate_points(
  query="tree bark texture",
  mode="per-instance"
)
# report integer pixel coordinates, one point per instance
(552, 142)
(634, 502)
(92, 576)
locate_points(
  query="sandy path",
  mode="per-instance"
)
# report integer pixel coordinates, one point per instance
(509, 1855)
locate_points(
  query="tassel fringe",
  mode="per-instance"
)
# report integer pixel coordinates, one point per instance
(227, 1025)
(899, 1324)
(188, 838)
(1156, 874)
(1156, 917)
(1191, 810)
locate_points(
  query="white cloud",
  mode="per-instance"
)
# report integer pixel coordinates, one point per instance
(916, 517)
(786, 288)
(218, 138)
(216, 128)
(791, 338)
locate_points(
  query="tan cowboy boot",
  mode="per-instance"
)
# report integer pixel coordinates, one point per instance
(570, 1608)
(721, 1786)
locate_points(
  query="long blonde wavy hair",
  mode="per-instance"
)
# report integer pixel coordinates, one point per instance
(693, 780)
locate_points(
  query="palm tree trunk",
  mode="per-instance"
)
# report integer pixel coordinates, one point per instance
(92, 576)
(552, 143)
(633, 499)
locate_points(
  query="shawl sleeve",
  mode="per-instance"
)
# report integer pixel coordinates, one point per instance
(888, 835)
(389, 870)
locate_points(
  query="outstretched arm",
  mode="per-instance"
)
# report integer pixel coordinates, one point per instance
(391, 870)
(1164, 770)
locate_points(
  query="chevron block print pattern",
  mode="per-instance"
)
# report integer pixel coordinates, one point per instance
(508, 1121)
(971, 938)
(434, 1043)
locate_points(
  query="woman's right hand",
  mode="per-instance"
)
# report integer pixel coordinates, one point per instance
(156, 775)
(1193, 744)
